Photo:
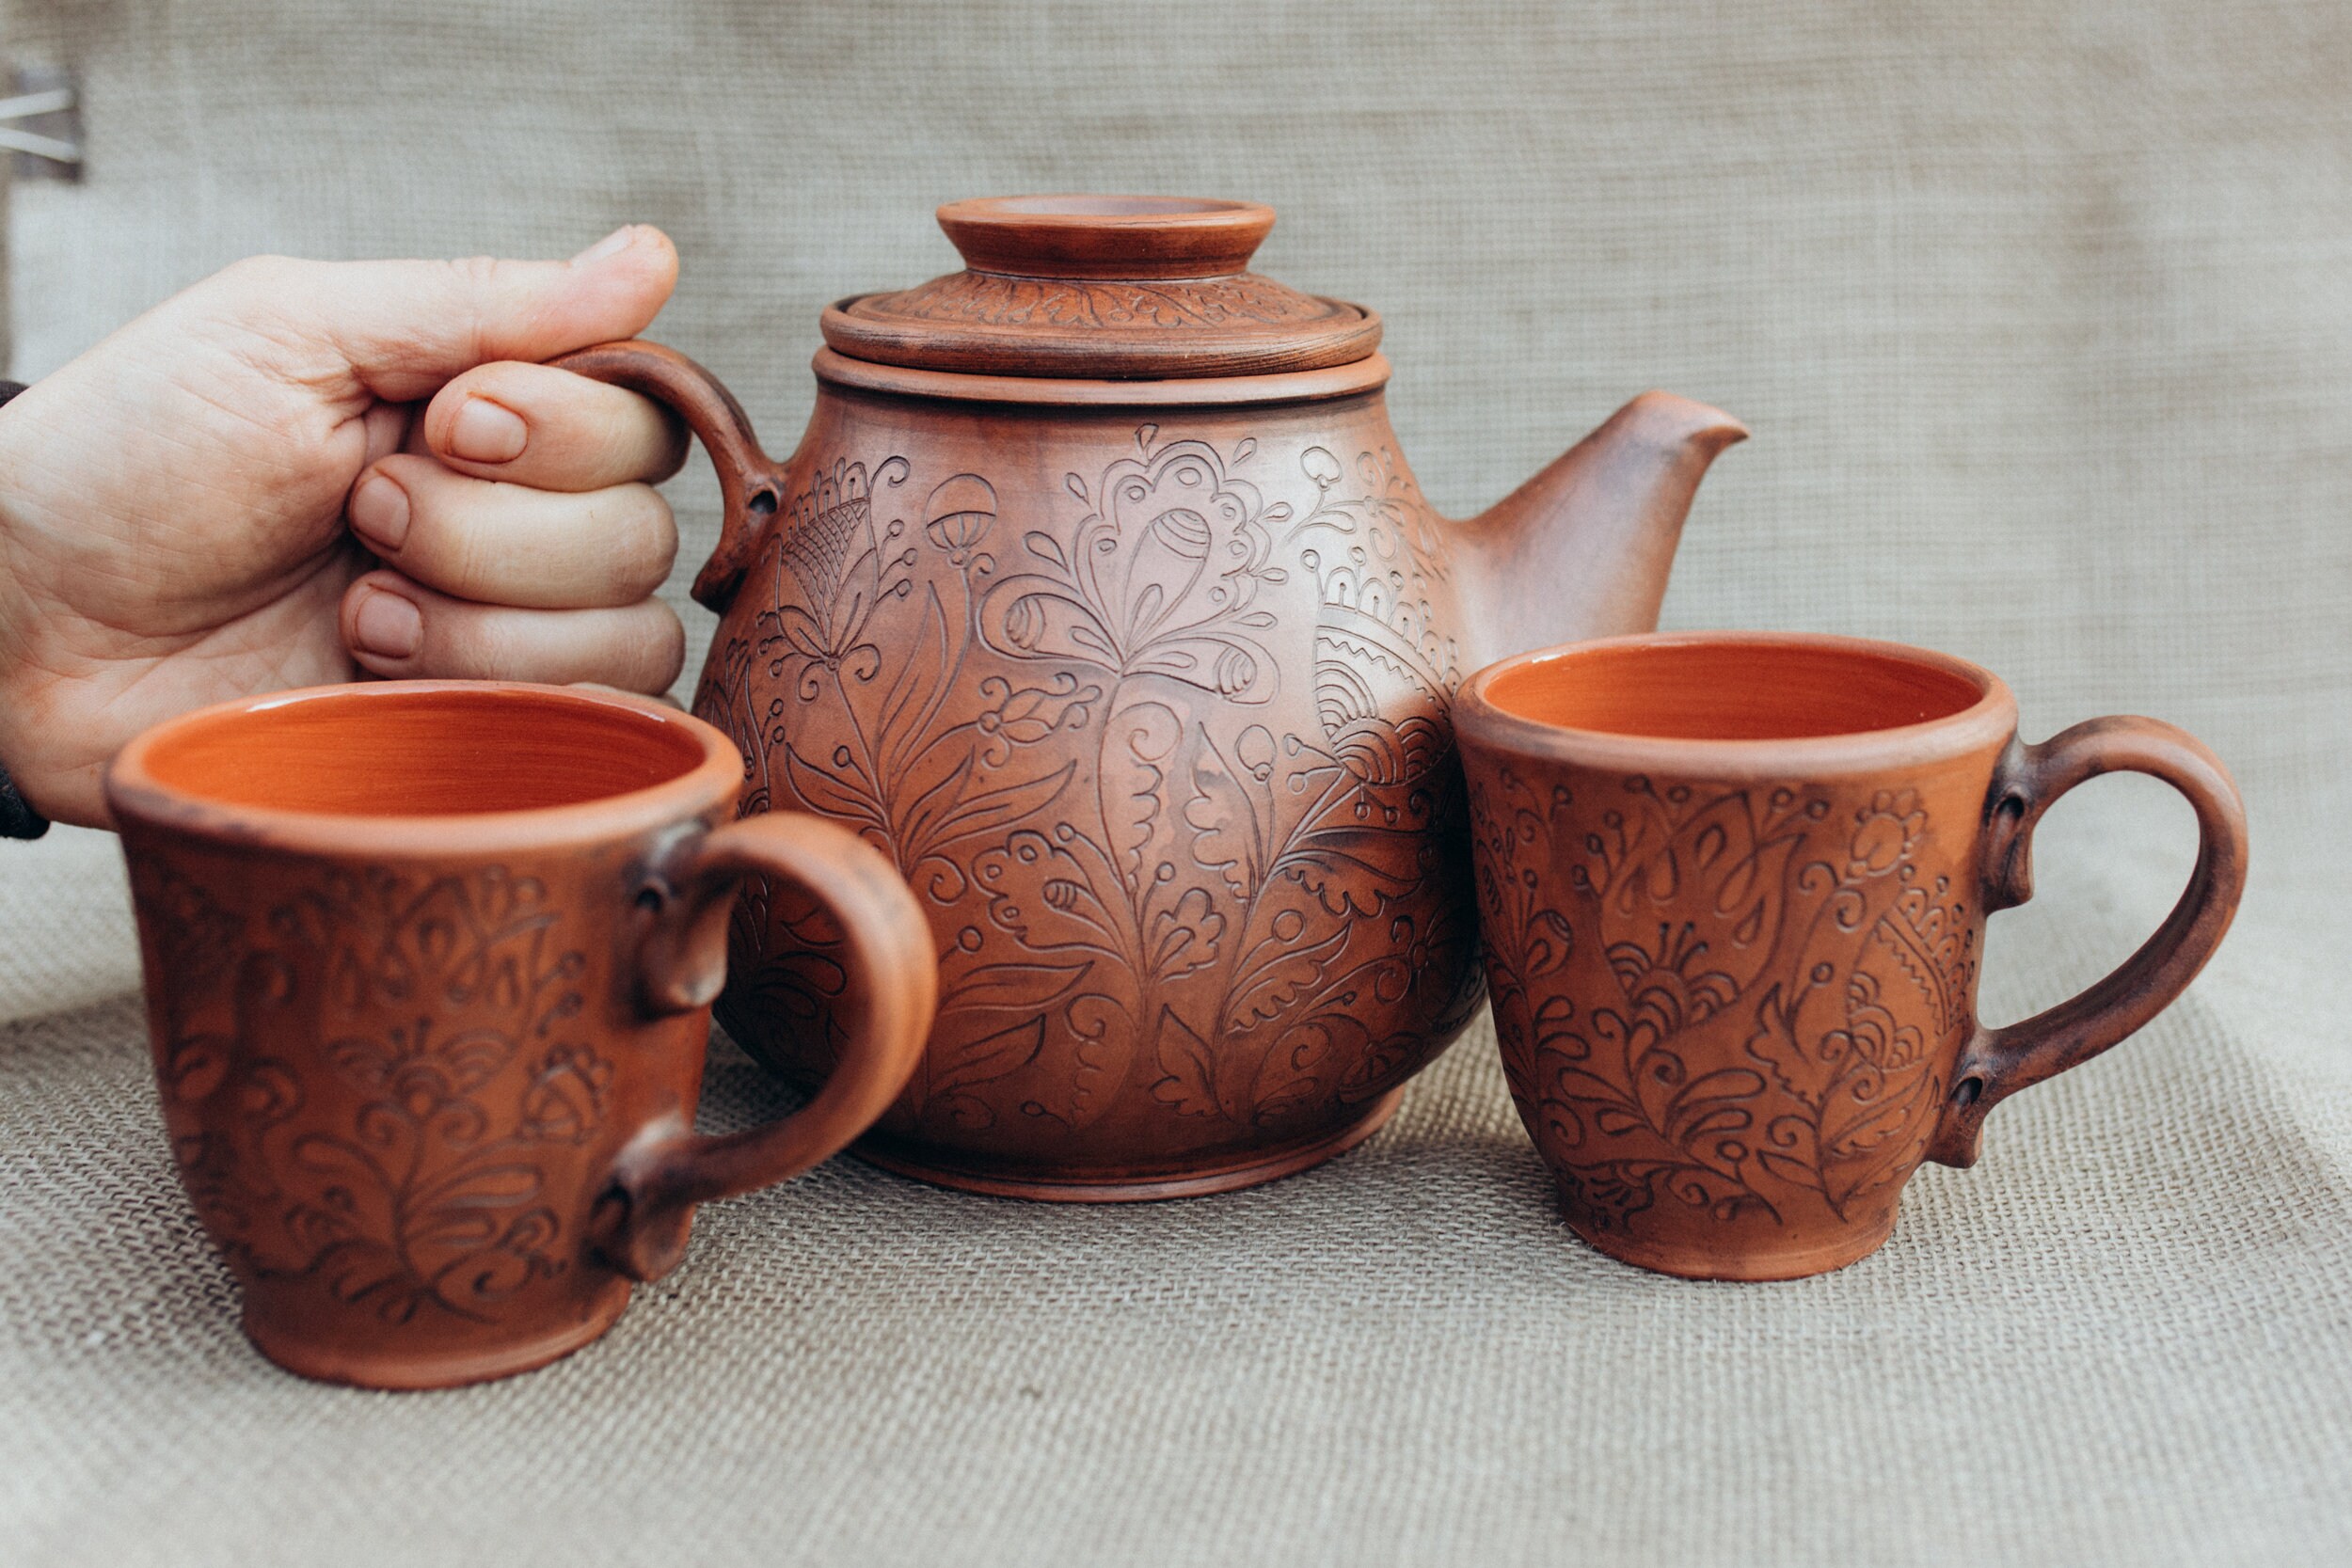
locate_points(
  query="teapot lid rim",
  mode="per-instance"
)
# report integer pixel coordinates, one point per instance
(1104, 288)
(1368, 374)
(896, 329)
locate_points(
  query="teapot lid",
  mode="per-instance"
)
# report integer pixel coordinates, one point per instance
(1104, 287)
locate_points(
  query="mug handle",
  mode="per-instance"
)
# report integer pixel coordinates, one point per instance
(688, 895)
(751, 483)
(1997, 1063)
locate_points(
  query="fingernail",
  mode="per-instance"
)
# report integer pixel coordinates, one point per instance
(379, 513)
(388, 625)
(486, 431)
(611, 245)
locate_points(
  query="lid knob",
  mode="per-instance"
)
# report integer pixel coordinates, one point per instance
(1106, 236)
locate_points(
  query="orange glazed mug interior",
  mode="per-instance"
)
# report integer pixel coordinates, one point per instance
(423, 749)
(1732, 890)
(429, 968)
(1689, 690)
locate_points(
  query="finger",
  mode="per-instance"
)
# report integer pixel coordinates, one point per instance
(510, 545)
(662, 697)
(533, 424)
(402, 629)
(397, 330)
(387, 426)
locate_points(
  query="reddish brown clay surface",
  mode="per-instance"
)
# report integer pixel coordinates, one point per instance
(1104, 287)
(428, 974)
(1141, 671)
(1733, 889)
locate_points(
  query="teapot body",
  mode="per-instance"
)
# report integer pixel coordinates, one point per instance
(1098, 596)
(1150, 707)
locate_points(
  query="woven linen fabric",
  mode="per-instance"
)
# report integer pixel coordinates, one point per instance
(2043, 318)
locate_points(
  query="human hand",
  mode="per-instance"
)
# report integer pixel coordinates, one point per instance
(173, 502)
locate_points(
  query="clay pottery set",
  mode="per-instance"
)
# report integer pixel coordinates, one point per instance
(429, 970)
(1079, 815)
(1098, 595)
(1734, 888)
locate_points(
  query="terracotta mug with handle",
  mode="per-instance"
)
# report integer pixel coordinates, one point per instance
(1732, 890)
(429, 972)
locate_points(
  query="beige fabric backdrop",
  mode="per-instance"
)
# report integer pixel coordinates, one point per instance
(2042, 317)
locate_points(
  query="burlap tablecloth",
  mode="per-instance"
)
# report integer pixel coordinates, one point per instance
(2043, 321)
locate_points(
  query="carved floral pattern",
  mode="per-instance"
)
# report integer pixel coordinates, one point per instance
(1158, 893)
(1773, 982)
(440, 1007)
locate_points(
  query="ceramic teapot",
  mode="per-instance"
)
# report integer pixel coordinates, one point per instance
(1099, 596)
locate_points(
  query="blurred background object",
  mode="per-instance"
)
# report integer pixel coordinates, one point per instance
(41, 124)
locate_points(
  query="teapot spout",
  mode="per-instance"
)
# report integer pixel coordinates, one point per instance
(1583, 549)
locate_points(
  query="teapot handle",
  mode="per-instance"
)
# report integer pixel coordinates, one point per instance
(750, 482)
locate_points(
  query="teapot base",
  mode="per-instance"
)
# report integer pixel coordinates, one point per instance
(1231, 1174)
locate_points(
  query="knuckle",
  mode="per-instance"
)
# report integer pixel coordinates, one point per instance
(650, 534)
(440, 558)
(476, 281)
(476, 271)
(635, 437)
(629, 431)
(668, 443)
(636, 540)
(464, 562)
(664, 646)
(455, 538)
(482, 644)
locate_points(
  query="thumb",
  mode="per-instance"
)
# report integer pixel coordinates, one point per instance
(398, 330)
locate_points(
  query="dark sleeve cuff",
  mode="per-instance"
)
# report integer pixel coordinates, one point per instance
(17, 819)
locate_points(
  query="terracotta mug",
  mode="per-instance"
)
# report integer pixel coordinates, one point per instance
(1732, 888)
(429, 972)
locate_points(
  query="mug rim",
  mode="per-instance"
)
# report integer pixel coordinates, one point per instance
(138, 799)
(1991, 721)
